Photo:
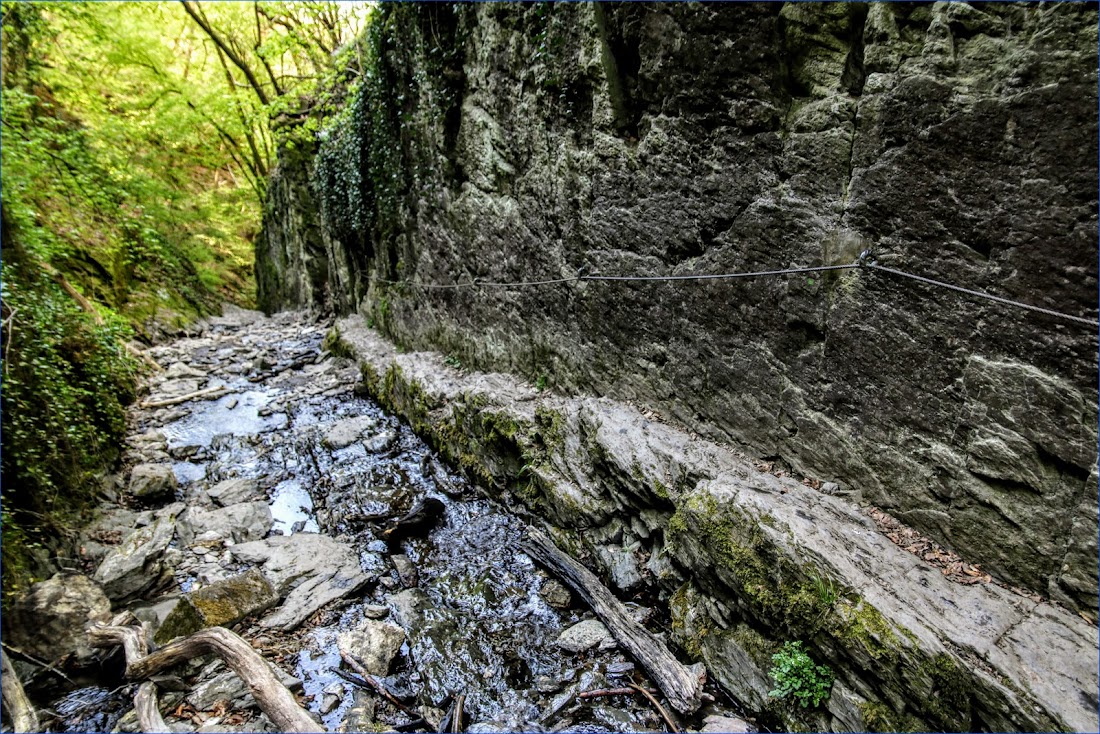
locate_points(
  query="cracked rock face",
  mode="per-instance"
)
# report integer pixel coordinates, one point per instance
(648, 139)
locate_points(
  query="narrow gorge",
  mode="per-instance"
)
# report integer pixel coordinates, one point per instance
(617, 367)
(748, 448)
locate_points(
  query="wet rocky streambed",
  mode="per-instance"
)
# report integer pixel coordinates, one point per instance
(362, 541)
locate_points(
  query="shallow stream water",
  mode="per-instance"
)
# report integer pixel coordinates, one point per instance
(476, 623)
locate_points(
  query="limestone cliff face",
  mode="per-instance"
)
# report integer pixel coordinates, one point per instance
(507, 142)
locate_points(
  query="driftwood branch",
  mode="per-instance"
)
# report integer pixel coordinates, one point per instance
(672, 727)
(682, 687)
(208, 393)
(271, 695)
(603, 692)
(148, 713)
(22, 712)
(373, 683)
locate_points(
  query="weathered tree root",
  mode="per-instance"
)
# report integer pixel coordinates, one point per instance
(23, 715)
(682, 687)
(272, 696)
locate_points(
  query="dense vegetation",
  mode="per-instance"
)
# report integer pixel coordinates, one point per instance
(136, 142)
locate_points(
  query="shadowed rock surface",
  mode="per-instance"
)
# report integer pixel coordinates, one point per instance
(507, 142)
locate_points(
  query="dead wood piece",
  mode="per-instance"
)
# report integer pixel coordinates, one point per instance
(682, 687)
(373, 683)
(19, 707)
(672, 726)
(272, 696)
(601, 692)
(148, 713)
(208, 393)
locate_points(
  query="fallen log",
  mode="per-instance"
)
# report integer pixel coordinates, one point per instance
(682, 687)
(20, 710)
(208, 393)
(272, 696)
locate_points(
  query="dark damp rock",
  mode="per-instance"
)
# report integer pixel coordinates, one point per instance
(381, 441)
(423, 516)
(374, 643)
(555, 594)
(152, 481)
(135, 564)
(49, 620)
(223, 604)
(234, 491)
(406, 570)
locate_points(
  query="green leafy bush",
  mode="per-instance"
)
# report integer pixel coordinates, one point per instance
(798, 678)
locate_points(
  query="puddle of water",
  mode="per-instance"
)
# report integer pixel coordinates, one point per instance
(216, 418)
(291, 505)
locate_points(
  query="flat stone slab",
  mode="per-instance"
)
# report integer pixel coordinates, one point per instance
(346, 432)
(234, 491)
(239, 523)
(323, 569)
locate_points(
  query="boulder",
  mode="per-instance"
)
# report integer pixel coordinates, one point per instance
(320, 569)
(240, 522)
(178, 370)
(344, 433)
(555, 594)
(583, 636)
(48, 622)
(381, 441)
(135, 564)
(152, 481)
(223, 604)
(234, 491)
(374, 643)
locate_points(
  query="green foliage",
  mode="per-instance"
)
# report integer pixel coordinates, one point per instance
(66, 381)
(798, 679)
(826, 588)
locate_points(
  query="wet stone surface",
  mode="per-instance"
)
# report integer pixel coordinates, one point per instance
(480, 619)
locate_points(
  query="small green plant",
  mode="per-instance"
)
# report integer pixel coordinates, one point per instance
(540, 383)
(452, 361)
(798, 678)
(827, 591)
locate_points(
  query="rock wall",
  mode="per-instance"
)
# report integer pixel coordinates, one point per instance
(747, 560)
(506, 142)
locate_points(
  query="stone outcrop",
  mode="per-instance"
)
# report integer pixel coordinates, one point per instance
(49, 620)
(222, 603)
(136, 564)
(527, 142)
(749, 559)
(309, 570)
